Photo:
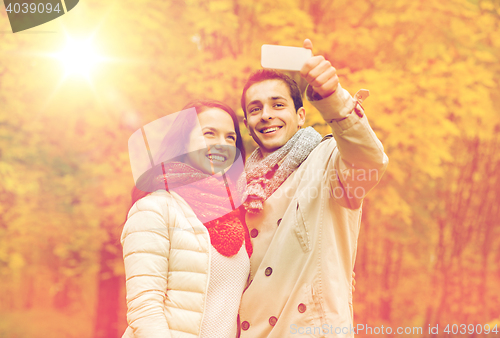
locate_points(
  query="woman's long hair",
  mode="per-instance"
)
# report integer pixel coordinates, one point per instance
(178, 140)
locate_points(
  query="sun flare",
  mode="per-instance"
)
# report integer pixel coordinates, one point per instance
(78, 57)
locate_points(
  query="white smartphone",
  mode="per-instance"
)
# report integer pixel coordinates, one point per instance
(284, 57)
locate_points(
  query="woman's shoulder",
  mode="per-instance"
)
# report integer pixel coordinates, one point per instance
(155, 201)
(160, 202)
(152, 212)
(155, 204)
(159, 211)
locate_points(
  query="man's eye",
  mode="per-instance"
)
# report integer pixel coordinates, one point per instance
(254, 110)
(280, 105)
(209, 133)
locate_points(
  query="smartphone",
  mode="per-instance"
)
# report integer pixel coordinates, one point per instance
(284, 57)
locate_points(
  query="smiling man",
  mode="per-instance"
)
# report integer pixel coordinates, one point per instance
(304, 197)
(272, 115)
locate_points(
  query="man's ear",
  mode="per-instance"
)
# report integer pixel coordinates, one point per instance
(301, 113)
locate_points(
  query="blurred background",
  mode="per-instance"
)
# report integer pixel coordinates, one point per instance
(429, 248)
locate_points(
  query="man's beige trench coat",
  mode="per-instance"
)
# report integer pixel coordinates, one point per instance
(306, 236)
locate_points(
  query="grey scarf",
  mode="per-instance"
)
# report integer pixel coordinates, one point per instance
(265, 175)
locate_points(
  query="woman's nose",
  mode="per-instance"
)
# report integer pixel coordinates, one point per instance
(218, 146)
(219, 143)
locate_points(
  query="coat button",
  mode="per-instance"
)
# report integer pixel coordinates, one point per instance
(245, 325)
(254, 233)
(269, 271)
(279, 221)
(302, 307)
(273, 320)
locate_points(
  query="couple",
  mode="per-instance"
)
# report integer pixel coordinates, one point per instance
(278, 266)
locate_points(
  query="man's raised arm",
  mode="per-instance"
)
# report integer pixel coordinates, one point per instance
(360, 161)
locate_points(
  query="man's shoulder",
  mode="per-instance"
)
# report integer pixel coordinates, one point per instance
(323, 151)
(327, 137)
(315, 164)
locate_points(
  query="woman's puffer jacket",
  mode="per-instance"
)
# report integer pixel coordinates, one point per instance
(166, 251)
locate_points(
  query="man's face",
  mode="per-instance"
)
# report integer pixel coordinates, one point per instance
(271, 116)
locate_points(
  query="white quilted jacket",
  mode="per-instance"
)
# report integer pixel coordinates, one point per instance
(166, 251)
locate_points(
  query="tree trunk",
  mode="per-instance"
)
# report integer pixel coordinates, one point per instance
(107, 313)
(386, 301)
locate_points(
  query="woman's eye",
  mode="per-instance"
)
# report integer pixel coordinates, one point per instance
(209, 133)
(232, 138)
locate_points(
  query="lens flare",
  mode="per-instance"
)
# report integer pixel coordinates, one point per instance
(78, 57)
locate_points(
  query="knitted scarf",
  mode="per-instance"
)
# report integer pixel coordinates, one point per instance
(265, 174)
(209, 198)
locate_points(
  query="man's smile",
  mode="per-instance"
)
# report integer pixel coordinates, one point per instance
(271, 129)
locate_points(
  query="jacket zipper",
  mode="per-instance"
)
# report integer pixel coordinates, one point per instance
(208, 281)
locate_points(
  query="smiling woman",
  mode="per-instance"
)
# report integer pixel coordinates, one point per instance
(220, 138)
(184, 236)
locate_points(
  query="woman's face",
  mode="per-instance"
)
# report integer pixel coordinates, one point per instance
(214, 150)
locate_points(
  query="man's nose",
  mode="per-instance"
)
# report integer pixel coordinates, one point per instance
(267, 113)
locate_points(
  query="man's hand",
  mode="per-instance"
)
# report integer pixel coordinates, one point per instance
(319, 73)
